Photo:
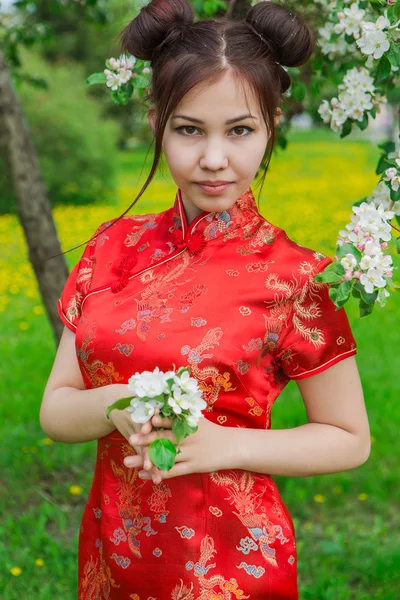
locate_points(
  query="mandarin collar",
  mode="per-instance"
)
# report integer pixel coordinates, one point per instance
(237, 220)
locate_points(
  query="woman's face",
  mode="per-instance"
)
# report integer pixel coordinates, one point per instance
(200, 144)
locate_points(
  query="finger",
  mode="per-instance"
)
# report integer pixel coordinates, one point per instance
(146, 440)
(158, 421)
(146, 427)
(134, 462)
(147, 464)
(177, 470)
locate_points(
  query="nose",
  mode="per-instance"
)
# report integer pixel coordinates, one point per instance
(214, 156)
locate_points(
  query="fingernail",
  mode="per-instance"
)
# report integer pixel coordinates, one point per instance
(135, 439)
(143, 475)
(129, 462)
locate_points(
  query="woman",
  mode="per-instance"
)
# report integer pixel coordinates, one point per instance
(212, 284)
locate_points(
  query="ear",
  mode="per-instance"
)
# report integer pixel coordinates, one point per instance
(278, 116)
(151, 115)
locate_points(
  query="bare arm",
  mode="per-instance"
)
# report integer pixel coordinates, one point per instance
(71, 414)
(336, 438)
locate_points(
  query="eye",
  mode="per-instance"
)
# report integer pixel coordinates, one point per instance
(180, 130)
(247, 130)
(243, 128)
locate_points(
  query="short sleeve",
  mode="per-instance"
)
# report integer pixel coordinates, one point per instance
(317, 334)
(77, 286)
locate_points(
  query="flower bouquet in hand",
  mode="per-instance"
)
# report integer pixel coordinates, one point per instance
(177, 396)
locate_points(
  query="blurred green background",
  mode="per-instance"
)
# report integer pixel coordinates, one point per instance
(93, 157)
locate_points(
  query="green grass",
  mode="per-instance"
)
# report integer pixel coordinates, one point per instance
(348, 545)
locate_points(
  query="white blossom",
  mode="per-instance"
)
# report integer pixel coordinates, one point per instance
(373, 278)
(373, 42)
(147, 384)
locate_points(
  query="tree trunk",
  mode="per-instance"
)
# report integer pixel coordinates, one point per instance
(237, 9)
(34, 209)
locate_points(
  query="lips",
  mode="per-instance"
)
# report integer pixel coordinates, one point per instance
(214, 183)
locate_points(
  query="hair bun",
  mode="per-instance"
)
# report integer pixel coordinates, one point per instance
(159, 21)
(292, 39)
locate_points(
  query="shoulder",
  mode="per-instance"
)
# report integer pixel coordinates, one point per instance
(124, 230)
(294, 260)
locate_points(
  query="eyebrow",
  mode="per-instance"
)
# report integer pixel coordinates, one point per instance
(230, 122)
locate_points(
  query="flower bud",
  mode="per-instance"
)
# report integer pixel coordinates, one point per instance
(384, 245)
(389, 274)
(357, 274)
(335, 258)
(360, 247)
(348, 276)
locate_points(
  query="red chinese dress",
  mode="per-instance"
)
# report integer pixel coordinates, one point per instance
(233, 297)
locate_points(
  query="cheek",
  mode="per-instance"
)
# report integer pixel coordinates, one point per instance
(179, 159)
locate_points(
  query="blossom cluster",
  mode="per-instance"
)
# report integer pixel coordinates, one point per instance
(354, 101)
(372, 37)
(152, 389)
(392, 176)
(120, 71)
(369, 231)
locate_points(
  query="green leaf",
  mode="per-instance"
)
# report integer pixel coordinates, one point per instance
(162, 453)
(365, 297)
(387, 146)
(341, 251)
(382, 165)
(332, 274)
(170, 382)
(343, 291)
(365, 309)
(181, 370)
(179, 429)
(364, 123)
(141, 81)
(394, 195)
(383, 69)
(394, 54)
(333, 294)
(119, 404)
(396, 10)
(346, 129)
(96, 78)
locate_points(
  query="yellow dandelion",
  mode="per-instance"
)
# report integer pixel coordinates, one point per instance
(75, 490)
(47, 441)
(308, 525)
(362, 496)
(24, 325)
(38, 310)
(337, 489)
(14, 289)
(39, 562)
(372, 439)
(15, 571)
(2, 308)
(319, 498)
(30, 293)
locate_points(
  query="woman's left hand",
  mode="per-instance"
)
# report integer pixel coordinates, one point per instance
(207, 450)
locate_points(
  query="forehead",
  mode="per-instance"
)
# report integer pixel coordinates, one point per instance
(228, 97)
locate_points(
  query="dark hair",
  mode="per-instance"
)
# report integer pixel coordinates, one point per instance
(184, 54)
